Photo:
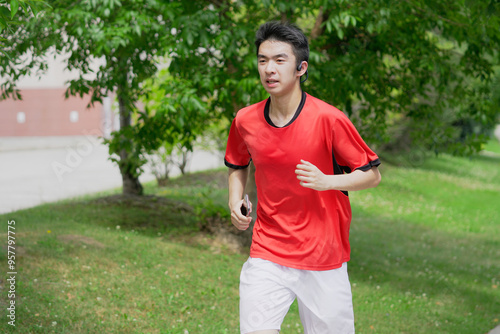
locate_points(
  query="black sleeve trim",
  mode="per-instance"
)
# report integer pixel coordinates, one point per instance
(369, 166)
(230, 165)
(345, 169)
(337, 169)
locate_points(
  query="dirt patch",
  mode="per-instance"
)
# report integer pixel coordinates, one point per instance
(219, 242)
(226, 234)
(19, 251)
(79, 240)
(223, 236)
(233, 241)
(216, 179)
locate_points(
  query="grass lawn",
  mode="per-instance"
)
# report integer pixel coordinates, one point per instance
(425, 257)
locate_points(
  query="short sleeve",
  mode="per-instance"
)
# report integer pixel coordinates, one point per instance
(349, 148)
(237, 155)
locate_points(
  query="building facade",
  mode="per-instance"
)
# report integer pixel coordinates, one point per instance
(44, 110)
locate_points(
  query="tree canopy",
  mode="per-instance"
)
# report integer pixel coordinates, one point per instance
(410, 72)
(122, 37)
(12, 12)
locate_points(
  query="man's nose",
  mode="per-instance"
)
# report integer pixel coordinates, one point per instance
(270, 67)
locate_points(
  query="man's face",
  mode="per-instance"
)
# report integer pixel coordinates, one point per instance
(277, 67)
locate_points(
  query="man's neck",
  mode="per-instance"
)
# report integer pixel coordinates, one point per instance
(283, 108)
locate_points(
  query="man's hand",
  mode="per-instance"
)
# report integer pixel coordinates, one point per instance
(310, 176)
(240, 221)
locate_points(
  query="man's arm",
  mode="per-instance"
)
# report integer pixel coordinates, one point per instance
(311, 177)
(237, 183)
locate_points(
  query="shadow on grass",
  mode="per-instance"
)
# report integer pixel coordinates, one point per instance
(453, 276)
(450, 165)
(215, 178)
(147, 214)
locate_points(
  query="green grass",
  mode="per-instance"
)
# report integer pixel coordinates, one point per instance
(425, 257)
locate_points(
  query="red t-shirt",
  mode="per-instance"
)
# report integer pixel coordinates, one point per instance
(299, 227)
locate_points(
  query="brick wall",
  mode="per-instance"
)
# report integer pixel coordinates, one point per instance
(45, 112)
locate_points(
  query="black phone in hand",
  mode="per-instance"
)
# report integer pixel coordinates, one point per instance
(245, 207)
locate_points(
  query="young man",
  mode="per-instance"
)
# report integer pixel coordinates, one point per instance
(307, 156)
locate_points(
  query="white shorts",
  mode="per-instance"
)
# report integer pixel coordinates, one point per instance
(268, 289)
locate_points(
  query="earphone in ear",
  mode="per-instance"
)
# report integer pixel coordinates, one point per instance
(299, 68)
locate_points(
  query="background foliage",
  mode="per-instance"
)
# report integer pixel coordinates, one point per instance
(13, 12)
(406, 72)
(410, 74)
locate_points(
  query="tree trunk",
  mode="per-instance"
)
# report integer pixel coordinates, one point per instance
(131, 183)
(184, 160)
(318, 30)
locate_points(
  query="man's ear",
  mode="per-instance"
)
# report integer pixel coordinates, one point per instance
(302, 68)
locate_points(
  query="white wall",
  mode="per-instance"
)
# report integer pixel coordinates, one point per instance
(57, 75)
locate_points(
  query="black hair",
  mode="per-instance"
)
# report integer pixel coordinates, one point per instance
(284, 32)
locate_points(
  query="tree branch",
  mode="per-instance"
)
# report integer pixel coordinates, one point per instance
(430, 14)
(318, 30)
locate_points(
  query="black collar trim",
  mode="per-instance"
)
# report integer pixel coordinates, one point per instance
(297, 113)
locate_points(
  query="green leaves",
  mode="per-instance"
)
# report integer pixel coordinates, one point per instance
(175, 113)
(404, 71)
(403, 58)
(372, 59)
(14, 7)
(10, 16)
